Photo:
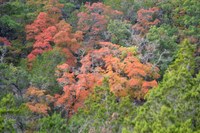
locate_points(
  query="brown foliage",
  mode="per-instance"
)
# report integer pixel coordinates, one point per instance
(39, 100)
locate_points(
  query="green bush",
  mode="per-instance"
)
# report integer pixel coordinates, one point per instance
(183, 14)
(165, 38)
(10, 114)
(52, 124)
(9, 27)
(42, 73)
(130, 7)
(103, 112)
(174, 105)
(120, 32)
(13, 79)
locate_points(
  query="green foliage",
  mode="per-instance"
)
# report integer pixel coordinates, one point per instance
(103, 112)
(9, 27)
(16, 52)
(9, 112)
(68, 7)
(174, 105)
(14, 15)
(120, 32)
(183, 14)
(12, 79)
(115, 4)
(130, 7)
(69, 12)
(190, 18)
(83, 1)
(53, 124)
(165, 38)
(43, 69)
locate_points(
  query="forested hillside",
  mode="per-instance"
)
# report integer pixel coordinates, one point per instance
(100, 66)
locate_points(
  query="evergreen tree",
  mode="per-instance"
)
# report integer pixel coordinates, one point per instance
(103, 112)
(174, 105)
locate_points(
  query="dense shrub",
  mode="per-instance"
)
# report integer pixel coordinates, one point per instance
(173, 106)
(120, 32)
(103, 112)
(42, 70)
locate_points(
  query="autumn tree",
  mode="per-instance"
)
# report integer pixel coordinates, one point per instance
(145, 19)
(66, 40)
(38, 100)
(43, 28)
(4, 41)
(127, 75)
(76, 88)
(94, 20)
(118, 63)
(46, 32)
(40, 32)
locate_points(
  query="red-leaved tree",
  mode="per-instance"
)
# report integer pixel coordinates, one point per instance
(45, 33)
(94, 20)
(69, 42)
(5, 41)
(41, 31)
(76, 87)
(146, 19)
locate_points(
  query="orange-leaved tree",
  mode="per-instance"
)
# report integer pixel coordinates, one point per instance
(76, 87)
(127, 75)
(41, 31)
(45, 31)
(66, 40)
(38, 100)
